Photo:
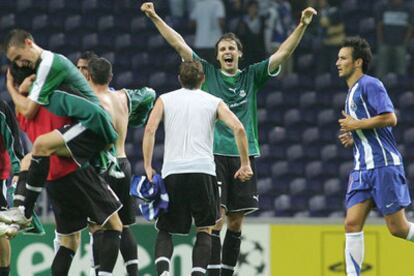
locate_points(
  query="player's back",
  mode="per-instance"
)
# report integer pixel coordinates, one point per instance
(189, 118)
(116, 103)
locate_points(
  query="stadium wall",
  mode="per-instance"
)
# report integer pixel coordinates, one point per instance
(287, 249)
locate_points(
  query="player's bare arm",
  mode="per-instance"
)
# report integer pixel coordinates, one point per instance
(149, 137)
(290, 44)
(169, 34)
(224, 114)
(24, 105)
(383, 120)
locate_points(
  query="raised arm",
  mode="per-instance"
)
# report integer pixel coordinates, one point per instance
(149, 136)
(169, 34)
(224, 114)
(290, 44)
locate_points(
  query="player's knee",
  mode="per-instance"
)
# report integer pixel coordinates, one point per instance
(352, 226)
(114, 223)
(235, 221)
(71, 241)
(396, 230)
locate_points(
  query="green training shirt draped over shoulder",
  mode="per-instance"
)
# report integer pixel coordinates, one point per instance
(140, 103)
(77, 100)
(239, 93)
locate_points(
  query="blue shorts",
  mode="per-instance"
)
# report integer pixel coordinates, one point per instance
(386, 186)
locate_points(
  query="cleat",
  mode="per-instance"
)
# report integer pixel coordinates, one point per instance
(35, 228)
(8, 231)
(15, 215)
(13, 230)
(4, 228)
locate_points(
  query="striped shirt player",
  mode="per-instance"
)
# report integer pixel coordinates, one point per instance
(378, 177)
(374, 148)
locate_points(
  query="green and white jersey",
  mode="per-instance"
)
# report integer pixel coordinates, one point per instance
(239, 93)
(63, 90)
(53, 71)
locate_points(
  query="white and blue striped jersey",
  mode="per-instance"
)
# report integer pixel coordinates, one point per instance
(373, 148)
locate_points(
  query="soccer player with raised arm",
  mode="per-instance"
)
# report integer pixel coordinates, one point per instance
(238, 89)
(378, 177)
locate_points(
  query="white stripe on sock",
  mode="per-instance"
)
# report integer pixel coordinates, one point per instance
(228, 267)
(33, 188)
(213, 266)
(198, 269)
(130, 262)
(163, 259)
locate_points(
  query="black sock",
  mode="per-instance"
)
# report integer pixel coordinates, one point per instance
(4, 271)
(96, 248)
(129, 251)
(163, 251)
(109, 250)
(20, 193)
(214, 265)
(62, 261)
(231, 250)
(38, 171)
(201, 252)
(3, 201)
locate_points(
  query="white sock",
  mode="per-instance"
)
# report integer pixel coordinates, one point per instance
(354, 253)
(410, 235)
(56, 243)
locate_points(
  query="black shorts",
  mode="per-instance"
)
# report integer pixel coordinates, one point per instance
(82, 143)
(79, 197)
(236, 196)
(120, 186)
(192, 195)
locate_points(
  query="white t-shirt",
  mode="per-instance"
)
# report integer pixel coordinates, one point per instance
(189, 118)
(206, 14)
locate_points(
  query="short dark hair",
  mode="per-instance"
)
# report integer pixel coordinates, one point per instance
(191, 74)
(229, 36)
(15, 37)
(20, 73)
(360, 49)
(100, 70)
(88, 55)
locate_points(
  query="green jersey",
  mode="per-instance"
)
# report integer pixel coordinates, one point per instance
(239, 93)
(62, 89)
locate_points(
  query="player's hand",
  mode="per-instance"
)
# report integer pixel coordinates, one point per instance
(27, 83)
(9, 79)
(244, 173)
(14, 180)
(348, 123)
(346, 139)
(307, 15)
(149, 171)
(148, 9)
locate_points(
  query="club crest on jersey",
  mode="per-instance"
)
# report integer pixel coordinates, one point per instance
(353, 106)
(242, 93)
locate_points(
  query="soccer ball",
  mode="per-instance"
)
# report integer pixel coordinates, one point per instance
(252, 258)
